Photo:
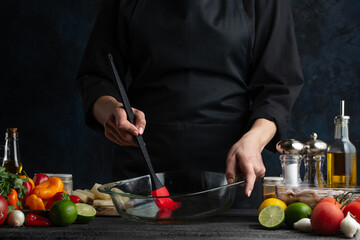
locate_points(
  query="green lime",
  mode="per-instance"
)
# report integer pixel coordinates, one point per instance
(63, 213)
(86, 213)
(272, 217)
(296, 211)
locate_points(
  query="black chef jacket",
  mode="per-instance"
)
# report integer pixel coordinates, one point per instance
(202, 71)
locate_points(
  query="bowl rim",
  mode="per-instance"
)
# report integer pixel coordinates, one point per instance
(106, 188)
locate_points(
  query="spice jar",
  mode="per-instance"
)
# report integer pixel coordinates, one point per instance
(269, 186)
(314, 157)
(291, 155)
(67, 180)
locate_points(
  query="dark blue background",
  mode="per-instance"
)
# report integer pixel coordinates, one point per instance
(42, 43)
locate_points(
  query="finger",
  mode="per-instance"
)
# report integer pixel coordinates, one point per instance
(140, 121)
(230, 168)
(123, 123)
(122, 138)
(110, 135)
(250, 180)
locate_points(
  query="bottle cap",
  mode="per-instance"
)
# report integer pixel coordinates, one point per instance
(315, 146)
(290, 146)
(339, 118)
(11, 132)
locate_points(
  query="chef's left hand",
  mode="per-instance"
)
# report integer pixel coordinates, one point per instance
(244, 156)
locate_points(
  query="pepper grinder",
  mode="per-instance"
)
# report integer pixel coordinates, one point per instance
(314, 157)
(291, 152)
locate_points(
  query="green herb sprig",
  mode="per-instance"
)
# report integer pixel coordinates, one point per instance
(10, 181)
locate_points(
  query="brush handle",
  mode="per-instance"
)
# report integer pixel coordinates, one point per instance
(156, 184)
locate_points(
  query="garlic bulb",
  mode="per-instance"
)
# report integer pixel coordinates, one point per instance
(303, 225)
(349, 226)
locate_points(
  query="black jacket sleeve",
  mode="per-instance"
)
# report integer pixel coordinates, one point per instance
(109, 35)
(276, 75)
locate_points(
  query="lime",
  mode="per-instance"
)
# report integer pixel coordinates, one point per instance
(86, 213)
(272, 217)
(63, 213)
(270, 202)
(296, 211)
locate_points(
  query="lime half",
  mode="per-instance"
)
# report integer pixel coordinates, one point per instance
(272, 217)
(86, 213)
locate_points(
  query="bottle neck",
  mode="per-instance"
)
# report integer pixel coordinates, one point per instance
(11, 150)
(341, 130)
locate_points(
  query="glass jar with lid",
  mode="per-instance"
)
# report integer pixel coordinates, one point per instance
(269, 186)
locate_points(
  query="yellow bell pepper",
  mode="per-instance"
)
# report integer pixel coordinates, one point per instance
(48, 188)
(34, 203)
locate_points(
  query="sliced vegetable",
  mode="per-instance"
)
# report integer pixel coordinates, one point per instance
(3, 210)
(49, 188)
(16, 218)
(34, 220)
(34, 203)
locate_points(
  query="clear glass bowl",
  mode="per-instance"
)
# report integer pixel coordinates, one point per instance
(311, 195)
(201, 194)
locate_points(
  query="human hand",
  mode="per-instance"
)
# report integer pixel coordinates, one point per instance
(119, 130)
(111, 114)
(244, 156)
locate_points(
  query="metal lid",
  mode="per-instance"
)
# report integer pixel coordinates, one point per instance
(290, 146)
(273, 179)
(315, 146)
(341, 119)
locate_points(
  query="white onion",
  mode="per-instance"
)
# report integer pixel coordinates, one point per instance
(16, 218)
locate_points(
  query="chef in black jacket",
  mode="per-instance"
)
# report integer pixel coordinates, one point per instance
(212, 82)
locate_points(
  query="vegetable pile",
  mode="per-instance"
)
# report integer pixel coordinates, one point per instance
(328, 217)
(21, 193)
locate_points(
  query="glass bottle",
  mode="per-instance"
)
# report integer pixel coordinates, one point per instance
(12, 161)
(341, 155)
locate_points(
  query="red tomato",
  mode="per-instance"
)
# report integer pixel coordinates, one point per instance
(326, 218)
(3, 210)
(354, 209)
(330, 200)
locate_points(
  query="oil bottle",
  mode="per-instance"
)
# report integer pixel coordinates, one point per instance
(11, 160)
(341, 155)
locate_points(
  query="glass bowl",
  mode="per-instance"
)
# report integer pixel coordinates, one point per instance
(201, 194)
(311, 195)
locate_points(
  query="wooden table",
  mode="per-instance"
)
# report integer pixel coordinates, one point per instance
(234, 224)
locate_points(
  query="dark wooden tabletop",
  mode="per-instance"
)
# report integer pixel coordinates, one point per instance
(234, 224)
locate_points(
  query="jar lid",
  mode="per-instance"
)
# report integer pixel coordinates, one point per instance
(62, 176)
(315, 146)
(273, 179)
(290, 146)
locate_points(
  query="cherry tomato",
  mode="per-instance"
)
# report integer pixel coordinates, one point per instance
(326, 218)
(3, 209)
(354, 209)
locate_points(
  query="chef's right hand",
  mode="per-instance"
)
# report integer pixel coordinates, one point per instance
(117, 127)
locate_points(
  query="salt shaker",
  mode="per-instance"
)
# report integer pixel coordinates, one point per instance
(291, 152)
(314, 157)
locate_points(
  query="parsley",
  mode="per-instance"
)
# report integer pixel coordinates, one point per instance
(10, 181)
